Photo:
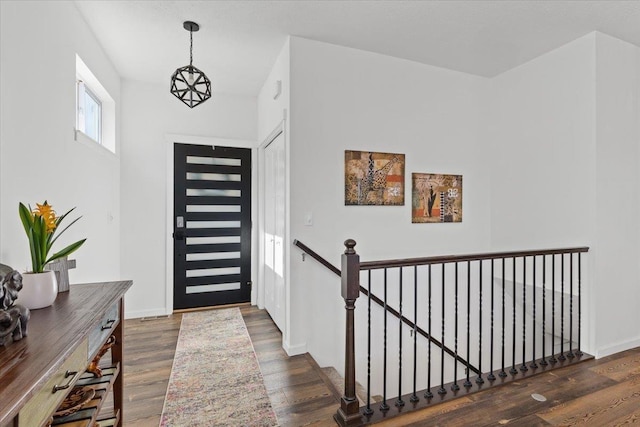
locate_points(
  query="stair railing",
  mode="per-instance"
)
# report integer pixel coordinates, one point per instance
(518, 344)
(415, 328)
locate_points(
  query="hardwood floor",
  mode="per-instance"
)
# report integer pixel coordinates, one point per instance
(149, 346)
(604, 392)
(300, 394)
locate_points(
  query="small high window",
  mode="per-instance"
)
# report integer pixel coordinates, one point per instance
(89, 113)
(95, 109)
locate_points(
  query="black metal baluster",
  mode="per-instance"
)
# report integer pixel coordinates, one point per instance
(543, 361)
(479, 379)
(442, 390)
(467, 383)
(491, 377)
(414, 396)
(523, 367)
(502, 373)
(384, 406)
(513, 369)
(579, 352)
(561, 357)
(553, 359)
(570, 355)
(428, 394)
(368, 410)
(533, 364)
(399, 401)
(455, 386)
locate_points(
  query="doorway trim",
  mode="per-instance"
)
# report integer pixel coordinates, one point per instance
(172, 139)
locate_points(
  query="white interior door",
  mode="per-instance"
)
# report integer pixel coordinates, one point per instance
(274, 290)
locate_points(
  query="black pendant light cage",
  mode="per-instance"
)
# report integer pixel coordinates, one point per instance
(189, 84)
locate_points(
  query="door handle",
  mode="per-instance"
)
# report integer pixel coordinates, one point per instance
(178, 235)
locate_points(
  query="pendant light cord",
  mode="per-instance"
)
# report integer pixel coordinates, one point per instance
(191, 48)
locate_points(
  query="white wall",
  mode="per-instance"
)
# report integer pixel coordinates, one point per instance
(39, 158)
(348, 99)
(565, 173)
(543, 147)
(271, 111)
(149, 113)
(617, 201)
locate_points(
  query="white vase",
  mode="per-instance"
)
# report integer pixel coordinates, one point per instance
(39, 290)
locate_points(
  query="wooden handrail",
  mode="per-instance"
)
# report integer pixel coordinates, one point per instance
(391, 310)
(317, 257)
(445, 259)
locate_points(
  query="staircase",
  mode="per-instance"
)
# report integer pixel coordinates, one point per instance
(448, 326)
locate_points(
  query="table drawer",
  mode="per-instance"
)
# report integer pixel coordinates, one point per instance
(100, 333)
(40, 407)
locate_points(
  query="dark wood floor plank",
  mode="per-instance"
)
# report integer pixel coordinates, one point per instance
(628, 419)
(620, 369)
(432, 414)
(602, 408)
(149, 348)
(306, 392)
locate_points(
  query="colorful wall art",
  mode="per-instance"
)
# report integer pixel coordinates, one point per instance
(436, 198)
(373, 178)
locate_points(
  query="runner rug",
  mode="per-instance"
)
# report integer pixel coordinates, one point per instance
(216, 379)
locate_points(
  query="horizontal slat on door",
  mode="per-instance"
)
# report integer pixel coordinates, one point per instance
(216, 216)
(212, 169)
(214, 160)
(213, 288)
(213, 192)
(208, 200)
(211, 232)
(213, 272)
(212, 256)
(236, 177)
(215, 184)
(213, 224)
(210, 240)
(206, 280)
(199, 249)
(218, 263)
(213, 208)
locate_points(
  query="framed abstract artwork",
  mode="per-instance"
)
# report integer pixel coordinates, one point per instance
(373, 178)
(436, 198)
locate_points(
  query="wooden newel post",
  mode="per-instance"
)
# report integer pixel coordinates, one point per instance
(349, 412)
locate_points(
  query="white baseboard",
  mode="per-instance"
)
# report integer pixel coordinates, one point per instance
(294, 350)
(145, 313)
(616, 348)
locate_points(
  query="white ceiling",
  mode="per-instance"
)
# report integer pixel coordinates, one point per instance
(238, 41)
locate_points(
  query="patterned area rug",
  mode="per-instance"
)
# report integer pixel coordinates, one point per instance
(216, 379)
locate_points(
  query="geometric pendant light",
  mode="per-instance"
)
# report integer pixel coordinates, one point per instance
(189, 84)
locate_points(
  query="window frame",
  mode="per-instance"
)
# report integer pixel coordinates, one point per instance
(81, 118)
(87, 84)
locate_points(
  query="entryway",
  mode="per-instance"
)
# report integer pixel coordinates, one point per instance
(211, 226)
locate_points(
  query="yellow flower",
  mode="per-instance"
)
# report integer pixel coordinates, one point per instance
(48, 215)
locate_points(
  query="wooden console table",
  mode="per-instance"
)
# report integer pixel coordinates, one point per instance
(62, 340)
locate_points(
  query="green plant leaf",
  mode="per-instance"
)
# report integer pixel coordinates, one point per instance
(66, 251)
(39, 237)
(63, 230)
(25, 217)
(27, 222)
